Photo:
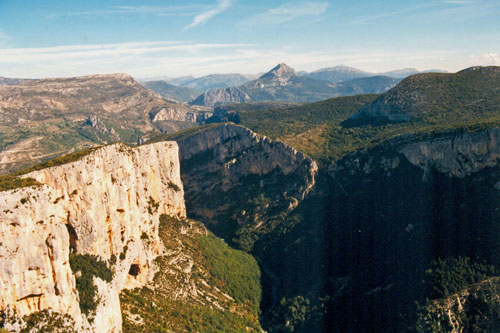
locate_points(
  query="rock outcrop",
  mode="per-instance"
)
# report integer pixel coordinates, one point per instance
(227, 167)
(106, 204)
(95, 122)
(455, 153)
(178, 112)
(222, 96)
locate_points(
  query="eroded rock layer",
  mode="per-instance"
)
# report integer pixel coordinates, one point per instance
(240, 182)
(106, 204)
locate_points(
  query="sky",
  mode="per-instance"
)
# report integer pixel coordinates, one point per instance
(171, 38)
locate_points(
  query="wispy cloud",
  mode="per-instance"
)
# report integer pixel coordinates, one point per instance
(460, 2)
(287, 12)
(374, 18)
(148, 59)
(183, 10)
(202, 18)
(460, 11)
(71, 60)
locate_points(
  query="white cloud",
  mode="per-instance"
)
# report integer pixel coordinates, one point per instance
(137, 58)
(487, 59)
(287, 12)
(202, 18)
(178, 58)
(183, 10)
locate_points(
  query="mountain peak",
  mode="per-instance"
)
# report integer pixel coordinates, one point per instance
(282, 70)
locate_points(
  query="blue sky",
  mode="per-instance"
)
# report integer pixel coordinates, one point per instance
(152, 38)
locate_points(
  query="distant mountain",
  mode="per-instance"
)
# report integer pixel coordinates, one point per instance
(215, 81)
(222, 96)
(343, 73)
(180, 81)
(337, 74)
(366, 85)
(45, 118)
(283, 84)
(172, 92)
(10, 81)
(433, 95)
(401, 73)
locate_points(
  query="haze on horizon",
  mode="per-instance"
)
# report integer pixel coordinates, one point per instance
(153, 38)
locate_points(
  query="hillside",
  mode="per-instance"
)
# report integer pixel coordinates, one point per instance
(40, 119)
(171, 92)
(437, 97)
(9, 81)
(369, 85)
(337, 74)
(216, 81)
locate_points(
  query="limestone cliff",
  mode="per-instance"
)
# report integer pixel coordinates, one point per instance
(455, 153)
(106, 204)
(240, 182)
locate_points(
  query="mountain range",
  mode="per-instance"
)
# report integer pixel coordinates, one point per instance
(303, 88)
(343, 73)
(283, 84)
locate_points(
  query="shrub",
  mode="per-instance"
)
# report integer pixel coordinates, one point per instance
(46, 321)
(89, 266)
(448, 276)
(236, 270)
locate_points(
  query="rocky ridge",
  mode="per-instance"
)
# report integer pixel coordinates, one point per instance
(227, 166)
(41, 119)
(455, 153)
(421, 96)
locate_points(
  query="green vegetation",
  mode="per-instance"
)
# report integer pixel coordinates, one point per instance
(233, 271)
(11, 182)
(438, 97)
(88, 266)
(152, 206)
(297, 314)
(174, 186)
(448, 276)
(227, 284)
(47, 321)
(462, 294)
